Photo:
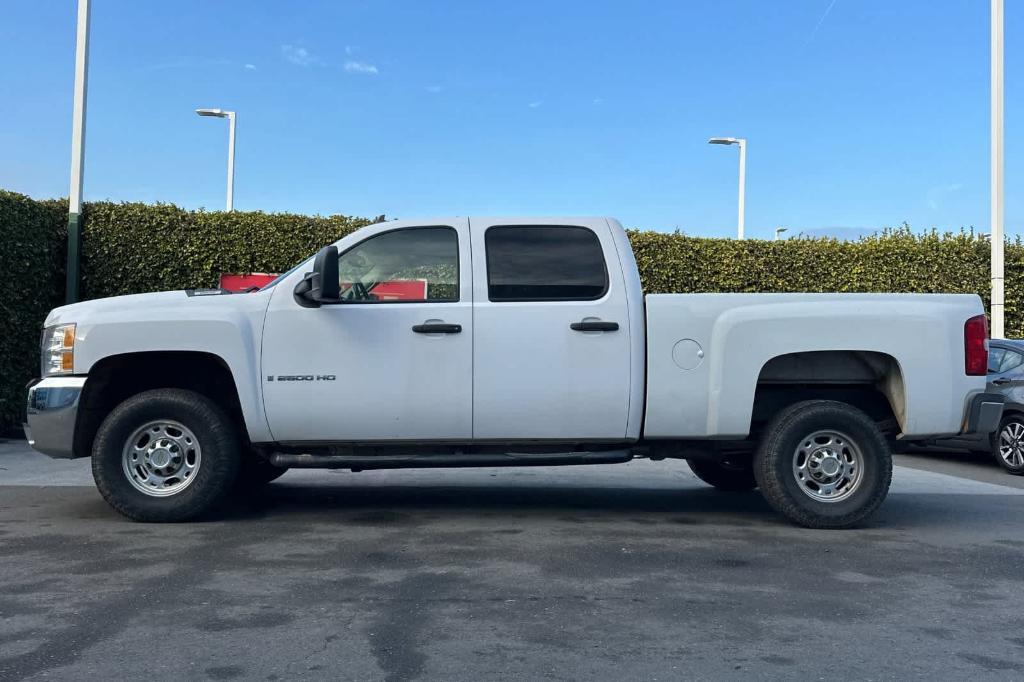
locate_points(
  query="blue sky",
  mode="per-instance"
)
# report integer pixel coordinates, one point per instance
(859, 113)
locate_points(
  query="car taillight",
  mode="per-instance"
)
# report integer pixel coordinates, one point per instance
(976, 346)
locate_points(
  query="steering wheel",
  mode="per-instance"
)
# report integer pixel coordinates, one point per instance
(361, 292)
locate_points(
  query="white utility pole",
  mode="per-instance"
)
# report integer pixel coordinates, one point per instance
(742, 144)
(230, 116)
(77, 154)
(998, 292)
(779, 231)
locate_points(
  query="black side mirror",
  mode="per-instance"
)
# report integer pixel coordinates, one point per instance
(321, 285)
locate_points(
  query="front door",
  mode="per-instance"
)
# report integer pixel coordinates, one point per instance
(394, 360)
(551, 332)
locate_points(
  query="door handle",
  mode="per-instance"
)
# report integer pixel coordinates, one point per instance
(437, 328)
(1000, 382)
(594, 326)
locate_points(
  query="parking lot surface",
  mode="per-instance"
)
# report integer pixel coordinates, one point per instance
(635, 571)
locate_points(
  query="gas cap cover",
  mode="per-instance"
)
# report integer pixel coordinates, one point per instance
(687, 354)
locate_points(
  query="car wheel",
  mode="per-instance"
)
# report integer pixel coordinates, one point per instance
(1008, 444)
(725, 476)
(165, 455)
(823, 464)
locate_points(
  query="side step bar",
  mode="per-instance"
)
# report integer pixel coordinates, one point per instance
(361, 462)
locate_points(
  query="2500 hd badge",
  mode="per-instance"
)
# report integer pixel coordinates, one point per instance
(302, 377)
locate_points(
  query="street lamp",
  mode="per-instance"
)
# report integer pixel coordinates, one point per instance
(77, 154)
(743, 176)
(997, 168)
(780, 230)
(230, 116)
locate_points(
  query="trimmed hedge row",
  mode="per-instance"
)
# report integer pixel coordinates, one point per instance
(32, 236)
(132, 248)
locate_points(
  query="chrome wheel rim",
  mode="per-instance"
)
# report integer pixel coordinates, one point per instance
(1011, 444)
(828, 466)
(161, 458)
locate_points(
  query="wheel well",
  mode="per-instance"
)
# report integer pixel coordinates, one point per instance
(868, 380)
(114, 379)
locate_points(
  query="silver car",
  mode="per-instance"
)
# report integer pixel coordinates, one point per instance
(1005, 376)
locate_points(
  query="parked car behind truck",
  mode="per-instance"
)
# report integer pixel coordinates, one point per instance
(1005, 377)
(532, 344)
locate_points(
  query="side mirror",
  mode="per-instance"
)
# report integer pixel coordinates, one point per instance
(321, 285)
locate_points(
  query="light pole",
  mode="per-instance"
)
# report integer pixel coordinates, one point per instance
(71, 292)
(998, 297)
(780, 230)
(742, 143)
(230, 116)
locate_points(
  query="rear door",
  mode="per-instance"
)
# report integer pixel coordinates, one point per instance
(1006, 373)
(551, 352)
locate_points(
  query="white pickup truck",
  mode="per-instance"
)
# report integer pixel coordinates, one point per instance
(503, 342)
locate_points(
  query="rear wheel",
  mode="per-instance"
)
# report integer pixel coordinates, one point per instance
(1008, 444)
(728, 476)
(823, 464)
(165, 455)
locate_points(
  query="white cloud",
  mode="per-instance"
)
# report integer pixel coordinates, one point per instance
(534, 105)
(598, 100)
(361, 67)
(433, 89)
(299, 55)
(351, 50)
(935, 195)
(250, 67)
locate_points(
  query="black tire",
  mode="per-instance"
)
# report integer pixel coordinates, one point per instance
(254, 471)
(725, 476)
(1013, 424)
(214, 475)
(778, 456)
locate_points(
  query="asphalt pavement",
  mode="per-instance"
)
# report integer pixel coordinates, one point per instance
(633, 571)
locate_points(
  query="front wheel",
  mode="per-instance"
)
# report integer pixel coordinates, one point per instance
(165, 455)
(823, 464)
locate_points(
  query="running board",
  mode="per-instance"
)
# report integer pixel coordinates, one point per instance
(512, 459)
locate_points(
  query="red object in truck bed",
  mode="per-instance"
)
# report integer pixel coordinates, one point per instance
(402, 290)
(239, 283)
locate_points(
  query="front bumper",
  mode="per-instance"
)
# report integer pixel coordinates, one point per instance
(983, 414)
(52, 413)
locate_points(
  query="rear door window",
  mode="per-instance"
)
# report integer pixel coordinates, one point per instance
(544, 263)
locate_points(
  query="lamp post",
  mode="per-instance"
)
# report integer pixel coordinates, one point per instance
(230, 116)
(742, 143)
(996, 238)
(780, 230)
(71, 292)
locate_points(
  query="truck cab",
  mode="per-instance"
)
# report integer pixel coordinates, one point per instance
(522, 330)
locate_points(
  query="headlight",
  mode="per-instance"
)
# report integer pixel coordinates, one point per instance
(58, 351)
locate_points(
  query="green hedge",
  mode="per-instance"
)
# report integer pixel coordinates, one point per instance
(892, 261)
(131, 248)
(32, 235)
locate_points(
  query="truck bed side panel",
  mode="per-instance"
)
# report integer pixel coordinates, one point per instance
(706, 351)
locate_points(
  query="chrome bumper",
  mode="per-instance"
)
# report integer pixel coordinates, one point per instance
(52, 411)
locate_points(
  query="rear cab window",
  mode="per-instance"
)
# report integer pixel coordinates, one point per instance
(544, 263)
